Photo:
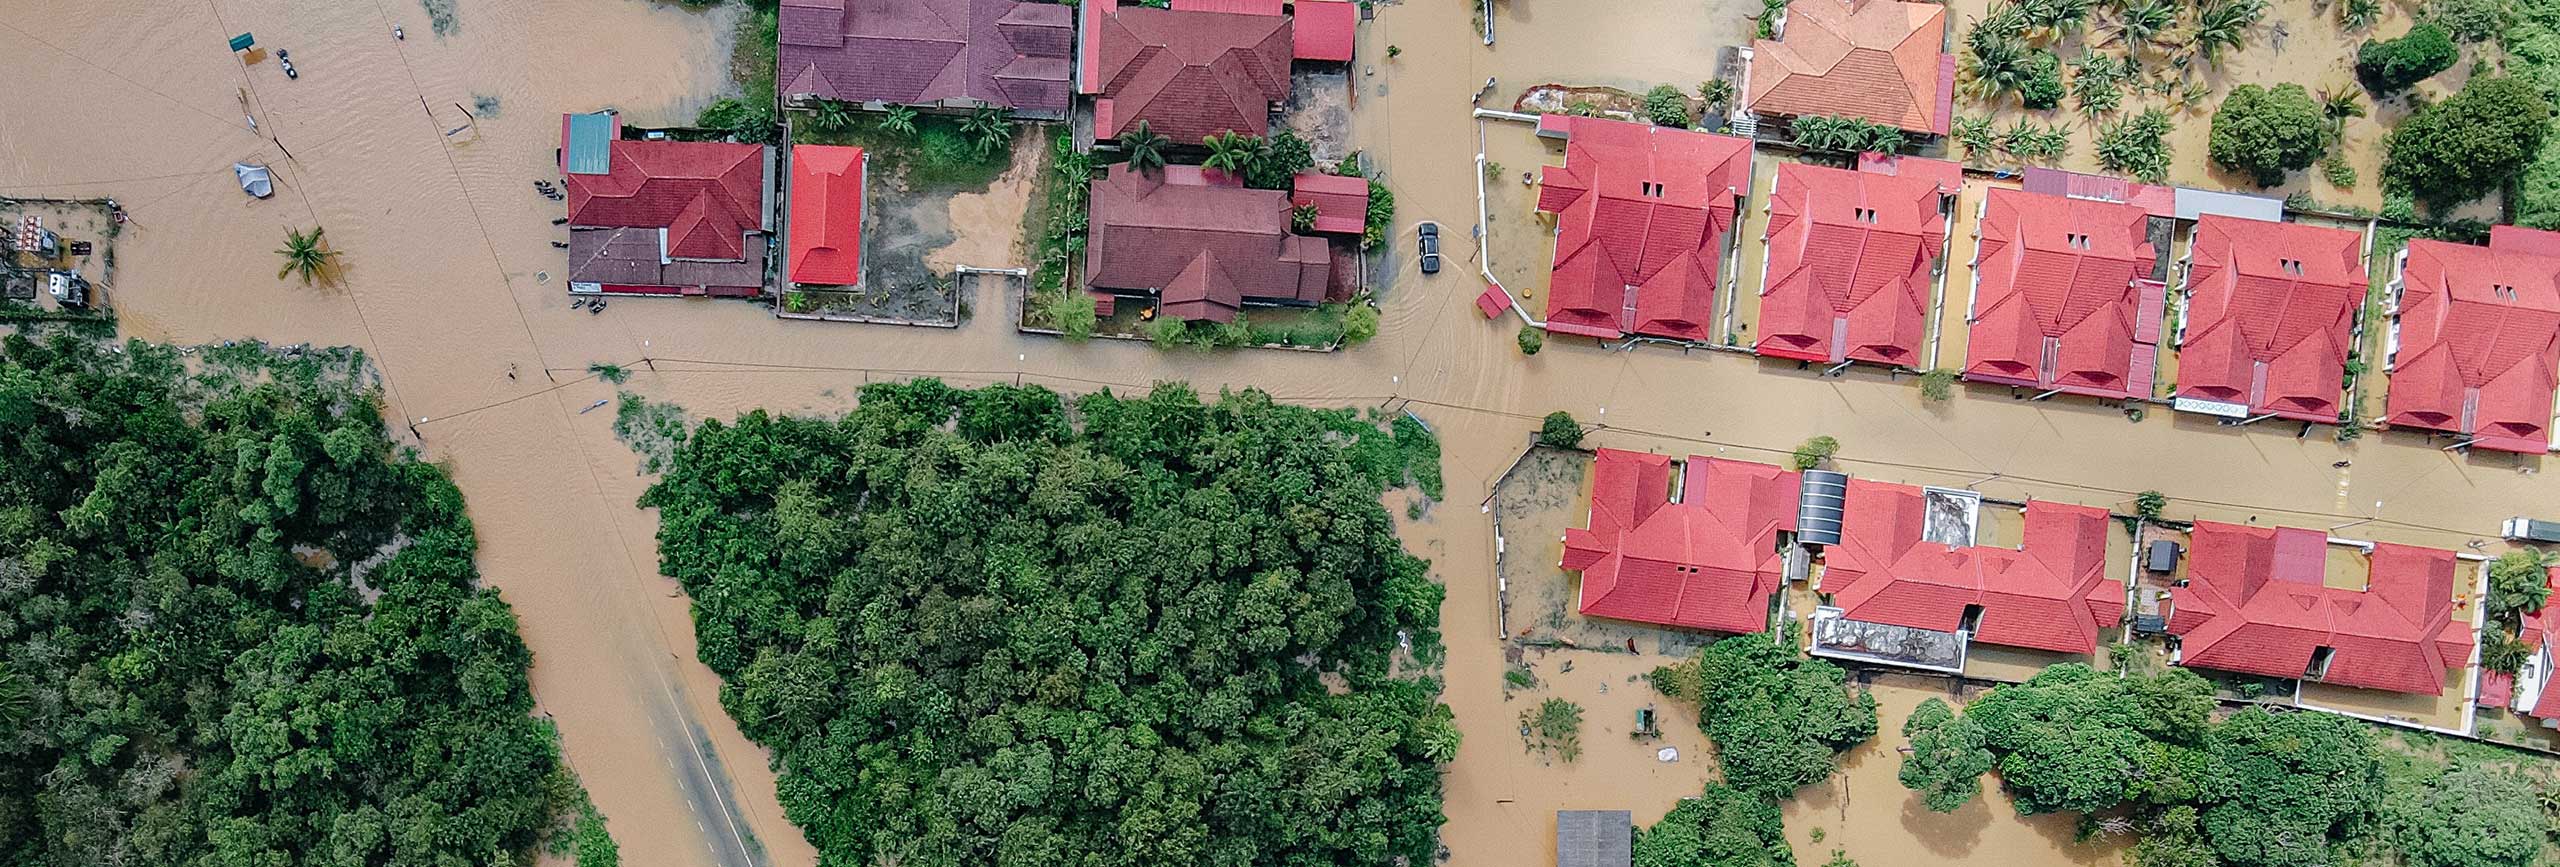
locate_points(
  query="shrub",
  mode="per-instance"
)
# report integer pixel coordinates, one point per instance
(1382, 213)
(1666, 106)
(744, 120)
(2137, 146)
(1939, 384)
(2457, 150)
(2471, 817)
(1168, 332)
(2041, 86)
(2470, 20)
(1560, 430)
(2266, 133)
(1947, 759)
(1815, 451)
(1555, 725)
(2390, 66)
(1532, 340)
(1776, 717)
(1359, 323)
(2148, 504)
(2338, 172)
(1280, 159)
(1722, 827)
(1072, 313)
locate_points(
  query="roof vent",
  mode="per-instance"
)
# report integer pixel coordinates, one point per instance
(1819, 506)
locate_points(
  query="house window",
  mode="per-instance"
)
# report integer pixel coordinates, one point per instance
(2291, 266)
(2076, 241)
(2319, 667)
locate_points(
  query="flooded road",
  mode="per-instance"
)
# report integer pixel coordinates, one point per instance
(451, 283)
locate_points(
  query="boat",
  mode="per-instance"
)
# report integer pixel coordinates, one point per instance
(255, 179)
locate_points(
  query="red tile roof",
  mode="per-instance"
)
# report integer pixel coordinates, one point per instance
(1493, 300)
(1326, 29)
(2536, 629)
(825, 233)
(1642, 213)
(1708, 561)
(1872, 59)
(1341, 202)
(2051, 594)
(1208, 250)
(2479, 340)
(1851, 256)
(1239, 7)
(2254, 602)
(707, 195)
(2271, 312)
(1000, 52)
(2062, 298)
(1188, 74)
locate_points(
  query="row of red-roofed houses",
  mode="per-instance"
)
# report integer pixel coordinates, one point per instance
(1903, 579)
(2070, 281)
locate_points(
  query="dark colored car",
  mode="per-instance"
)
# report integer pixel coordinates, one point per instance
(1430, 247)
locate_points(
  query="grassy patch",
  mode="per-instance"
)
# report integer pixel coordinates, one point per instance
(937, 158)
(653, 430)
(440, 15)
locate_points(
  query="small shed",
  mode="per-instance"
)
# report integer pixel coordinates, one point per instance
(1341, 202)
(1595, 838)
(1324, 30)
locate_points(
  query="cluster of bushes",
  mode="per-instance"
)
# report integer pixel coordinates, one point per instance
(1264, 164)
(2390, 66)
(1778, 718)
(1667, 106)
(2026, 141)
(2137, 146)
(2268, 133)
(1850, 134)
(1061, 236)
(1327, 325)
(2468, 144)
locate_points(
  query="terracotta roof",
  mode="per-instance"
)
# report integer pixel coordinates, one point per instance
(1000, 52)
(1851, 256)
(2061, 296)
(1240, 7)
(1708, 561)
(2271, 313)
(1872, 59)
(2479, 339)
(1189, 74)
(707, 195)
(1208, 250)
(2051, 594)
(827, 184)
(1642, 213)
(1341, 202)
(1326, 30)
(2255, 602)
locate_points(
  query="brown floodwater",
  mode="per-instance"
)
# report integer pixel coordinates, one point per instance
(451, 283)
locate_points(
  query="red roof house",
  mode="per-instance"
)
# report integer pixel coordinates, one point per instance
(1204, 250)
(960, 53)
(825, 232)
(1341, 202)
(1707, 559)
(668, 217)
(1189, 75)
(2270, 316)
(1871, 59)
(2062, 296)
(2255, 602)
(2051, 594)
(2475, 341)
(1325, 30)
(1643, 215)
(2544, 703)
(1852, 259)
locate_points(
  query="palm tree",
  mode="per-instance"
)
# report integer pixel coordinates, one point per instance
(1144, 147)
(987, 129)
(899, 119)
(1231, 151)
(1717, 93)
(1886, 139)
(831, 115)
(2338, 103)
(2359, 14)
(2225, 24)
(2143, 21)
(307, 255)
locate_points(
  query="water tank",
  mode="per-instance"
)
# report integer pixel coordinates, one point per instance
(1819, 507)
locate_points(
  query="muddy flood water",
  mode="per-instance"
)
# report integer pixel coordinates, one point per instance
(452, 285)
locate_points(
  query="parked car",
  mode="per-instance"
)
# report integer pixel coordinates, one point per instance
(1430, 233)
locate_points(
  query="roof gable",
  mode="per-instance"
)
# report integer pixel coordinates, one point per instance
(2051, 593)
(1851, 263)
(2270, 312)
(2060, 291)
(2479, 349)
(1632, 202)
(997, 52)
(2255, 602)
(707, 195)
(1707, 561)
(1191, 74)
(1207, 248)
(1871, 59)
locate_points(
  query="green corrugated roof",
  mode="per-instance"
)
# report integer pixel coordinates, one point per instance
(590, 137)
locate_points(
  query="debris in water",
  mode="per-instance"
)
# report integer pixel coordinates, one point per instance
(593, 406)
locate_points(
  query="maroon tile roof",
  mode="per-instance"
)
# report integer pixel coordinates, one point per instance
(2479, 342)
(1326, 29)
(1208, 250)
(1240, 7)
(2052, 593)
(1013, 54)
(2255, 602)
(2270, 312)
(1871, 59)
(1341, 202)
(707, 195)
(2062, 298)
(627, 262)
(1707, 561)
(1642, 213)
(1851, 262)
(1189, 74)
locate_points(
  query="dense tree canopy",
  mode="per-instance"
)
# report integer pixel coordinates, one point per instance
(1719, 828)
(988, 628)
(1777, 717)
(1948, 756)
(237, 628)
(2468, 145)
(2471, 817)
(2073, 739)
(2390, 66)
(2266, 133)
(2283, 787)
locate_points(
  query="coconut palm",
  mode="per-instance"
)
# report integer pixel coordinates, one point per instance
(2337, 103)
(899, 119)
(2359, 14)
(831, 115)
(2141, 22)
(2225, 24)
(988, 129)
(1232, 151)
(307, 255)
(1717, 93)
(1144, 147)
(1885, 139)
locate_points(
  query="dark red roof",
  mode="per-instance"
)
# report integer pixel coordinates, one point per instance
(1871, 59)
(2053, 593)
(825, 233)
(1851, 259)
(2270, 315)
(1341, 202)
(1189, 75)
(707, 195)
(1208, 250)
(1000, 52)
(2254, 602)
(1240, 7)
(619, 261)
(2478, 333)
(2062, 297)
(2535, 631)
(1493, 300)
(1326, 29)
(1642, 212)
(1708, 561)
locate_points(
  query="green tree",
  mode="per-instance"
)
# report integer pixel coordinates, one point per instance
(609, 372)
(1232, 151)
(2280, 788)
(1074, 314)
(2224, 24)
(1144, 147)
(2072, 739)
(307, 255)
(2471, 817)
(1560, 430)
(1717, 93)
(988, 128)
(1667, 106)
(1531, 340)
(1359, 323)
(1814, 452)
(1278, 162)
(2139, 23)
(1722, 827)
(2390, 66)
(2470, 20)
(2137, 146)
(2267, 133)
(1948, 757)
(2519, 584)
(2149, 505)
(1555, 725)
(1938, 384)
(831, 115)
(898, 120)
(2468, 145)
(1777, 718)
